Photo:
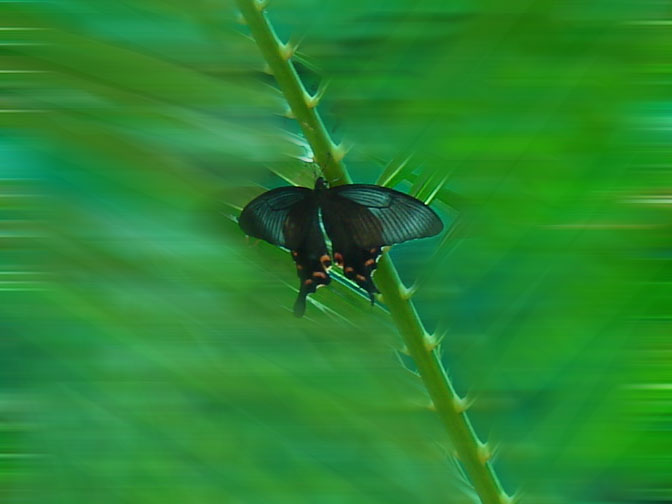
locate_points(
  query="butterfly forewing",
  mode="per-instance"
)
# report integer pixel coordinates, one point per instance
(266, 216)
(390, 217)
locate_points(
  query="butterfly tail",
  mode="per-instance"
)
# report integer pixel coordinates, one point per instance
(312, 272)
(373, 290)
(300, 304)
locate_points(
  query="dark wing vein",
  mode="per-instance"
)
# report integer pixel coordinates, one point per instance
(265, 217)
(384, 216)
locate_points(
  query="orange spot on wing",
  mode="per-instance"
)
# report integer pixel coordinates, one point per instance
(373, 251)
(299, 267)
(369, 262)
(349, 269)
(361, 278)
(309, 281)
(320, 274)
(325, 258)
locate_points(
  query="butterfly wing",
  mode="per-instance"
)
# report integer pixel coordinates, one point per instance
(309, 251)
(266, 216)
(362, 218)
(387, 216)
(288, 217)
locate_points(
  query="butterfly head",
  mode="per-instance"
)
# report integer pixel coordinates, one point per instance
(321, 184)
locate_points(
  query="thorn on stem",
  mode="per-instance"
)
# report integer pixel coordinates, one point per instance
(313, 101)
(432, 341)
(504, 498)
(494, 450)
(462, 404)
(484, 452)
(408, 292)
(440, 337)
(429, 342)
(288, 50)
(339, 151)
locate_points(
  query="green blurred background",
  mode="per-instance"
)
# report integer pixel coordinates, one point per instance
(148, 353)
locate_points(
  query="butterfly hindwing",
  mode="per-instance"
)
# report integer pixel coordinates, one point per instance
(309, 250)
(288, 217)
(358, 262)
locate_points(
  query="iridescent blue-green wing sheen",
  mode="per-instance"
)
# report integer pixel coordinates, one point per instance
(360, 219)
(265, 217)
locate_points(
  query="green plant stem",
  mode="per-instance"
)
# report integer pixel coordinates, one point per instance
(450, 408)
(327, 155)
(421, 347)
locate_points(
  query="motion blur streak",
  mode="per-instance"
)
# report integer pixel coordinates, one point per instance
(149, 354)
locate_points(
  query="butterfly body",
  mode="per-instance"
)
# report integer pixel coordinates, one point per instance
(359, 220)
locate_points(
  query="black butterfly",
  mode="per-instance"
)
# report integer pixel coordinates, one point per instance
(358, 218)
